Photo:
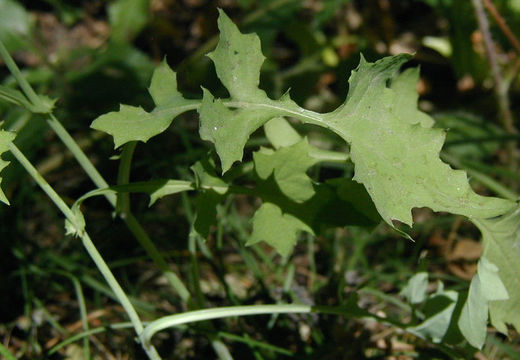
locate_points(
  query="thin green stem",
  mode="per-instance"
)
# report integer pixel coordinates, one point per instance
(44, 185)
(123, 177)
(24, 84)
(120, 294)
(80, 156)
(218, 313)
(254, 343)
(89, 246)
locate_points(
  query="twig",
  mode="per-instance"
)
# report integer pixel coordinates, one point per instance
(501, 88)
(502, 25)
(503, 100)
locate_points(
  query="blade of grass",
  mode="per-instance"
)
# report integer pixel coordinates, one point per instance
(255, 343)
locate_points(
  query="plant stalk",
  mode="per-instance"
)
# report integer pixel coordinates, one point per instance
(501, 88)
(89, 246)
(24, 84)
(218, 313)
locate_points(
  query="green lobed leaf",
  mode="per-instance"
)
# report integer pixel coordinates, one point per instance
(485, 286)
(336, 203)
(6, 138)
(278, 229)
(132, 123)
(396, 159)
(238, 59)
(393, 147)
(501, 241)
(288, 165)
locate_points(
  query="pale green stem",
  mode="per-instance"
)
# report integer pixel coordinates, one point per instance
(218, 313)
(123, 177)
(24, 84)
(44, 185)
(89, 246)
(80, 156)
(120, 294)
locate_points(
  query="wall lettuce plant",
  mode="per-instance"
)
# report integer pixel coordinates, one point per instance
(395, 151)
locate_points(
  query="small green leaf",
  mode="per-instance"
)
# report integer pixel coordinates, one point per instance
(78, 227)
(170, 187)
(415, 290)
(132, 123)
(288, 165)
(485, 286)
(5, 139)
(276, 228)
